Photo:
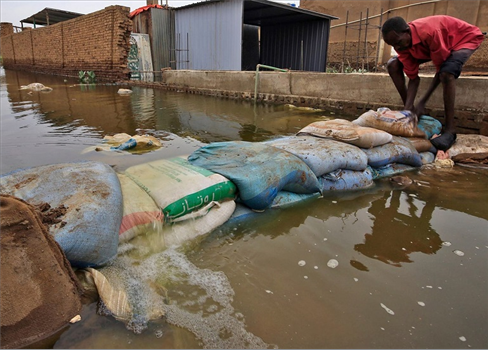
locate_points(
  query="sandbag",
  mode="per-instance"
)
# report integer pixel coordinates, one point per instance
(91, 195)
(421, 144)
(397, 123)
(140, 212)
(469, 144)
(39, 291)
(322, 155)
(480, 159)
(390, 170)
(285, 199)
(430, 126)
(139, 143)
(427, 157)
(348, 132)
(125, 293)
(178, 187)
(259, 171)
(399, 150)
(36, 87)
(344, 180)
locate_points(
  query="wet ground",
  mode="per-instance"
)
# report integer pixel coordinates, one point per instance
(387, 267)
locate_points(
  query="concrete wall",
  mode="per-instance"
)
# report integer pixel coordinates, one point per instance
(471, 11)
(96, 42)
(350, 93)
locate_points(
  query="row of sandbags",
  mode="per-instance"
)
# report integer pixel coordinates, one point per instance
(184, 197)
(103, 207)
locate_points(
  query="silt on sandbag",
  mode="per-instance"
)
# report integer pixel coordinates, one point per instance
(322, 155)
(259, 171)
(348, 132)
(346, 180)
(91, 194)
(399, 150)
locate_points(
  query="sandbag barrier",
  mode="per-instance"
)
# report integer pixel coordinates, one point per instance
(173, 201)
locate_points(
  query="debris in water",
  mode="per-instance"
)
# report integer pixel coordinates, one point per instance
(268, 291)
(421, 303)
(458, 252)
(461, 338)
(332, 263)
(390, 311)
(75, 319)
(302, 263)
(446, 243)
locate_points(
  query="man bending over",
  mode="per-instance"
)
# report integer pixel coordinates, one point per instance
(446, 41)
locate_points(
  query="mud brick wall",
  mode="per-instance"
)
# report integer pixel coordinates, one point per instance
(96, 42)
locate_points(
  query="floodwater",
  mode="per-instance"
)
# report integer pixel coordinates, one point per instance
(380, 268)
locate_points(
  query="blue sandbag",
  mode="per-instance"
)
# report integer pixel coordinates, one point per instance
(429, 125)
(129, 144)
(427, 157)
(323, 155)
(259, 171)
(399, 150)
(91, 192)
(342, 180)
(286, 199)
(390, 170)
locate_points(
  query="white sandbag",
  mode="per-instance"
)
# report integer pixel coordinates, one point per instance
(469, 143)
(346, 131)
(397, 123)
(125, 292)
(322, 155)
(141, 213)
(180, 188)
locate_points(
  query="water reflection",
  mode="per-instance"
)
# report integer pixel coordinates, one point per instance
(368, 232)
(401, 226)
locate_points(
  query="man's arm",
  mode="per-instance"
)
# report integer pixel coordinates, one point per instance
(419, 109)
(413, 86)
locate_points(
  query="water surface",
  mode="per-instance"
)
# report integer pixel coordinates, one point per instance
(378, 268)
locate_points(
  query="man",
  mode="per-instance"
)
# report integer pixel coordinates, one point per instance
(446, 41)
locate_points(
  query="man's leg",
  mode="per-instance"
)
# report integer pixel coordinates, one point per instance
(449, 72)
(449, 93)
(395, 70)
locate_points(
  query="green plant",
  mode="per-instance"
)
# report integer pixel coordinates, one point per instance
(87, 77)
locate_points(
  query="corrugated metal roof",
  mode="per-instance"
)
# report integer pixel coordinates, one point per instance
(264, 13)
(50, 16)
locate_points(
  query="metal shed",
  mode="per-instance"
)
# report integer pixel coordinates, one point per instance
(239, 34)
(49, 16)
(159, 24)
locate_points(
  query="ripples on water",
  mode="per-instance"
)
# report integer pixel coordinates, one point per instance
(383, 267)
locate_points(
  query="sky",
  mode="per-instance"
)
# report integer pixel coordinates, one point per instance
(13, 11)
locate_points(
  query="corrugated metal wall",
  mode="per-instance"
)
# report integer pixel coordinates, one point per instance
(163, 38)
(281, 45)
(209, 36)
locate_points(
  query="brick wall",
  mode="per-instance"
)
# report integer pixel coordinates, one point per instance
(96, 42)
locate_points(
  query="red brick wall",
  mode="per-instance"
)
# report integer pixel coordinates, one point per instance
(96, 42)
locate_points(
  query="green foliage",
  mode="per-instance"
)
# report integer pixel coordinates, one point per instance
(87, 77)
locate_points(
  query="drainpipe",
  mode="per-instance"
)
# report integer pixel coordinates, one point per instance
(257, 77)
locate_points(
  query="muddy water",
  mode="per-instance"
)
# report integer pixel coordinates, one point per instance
(382, 268)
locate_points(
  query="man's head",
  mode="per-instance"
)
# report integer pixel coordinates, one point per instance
(396, 33)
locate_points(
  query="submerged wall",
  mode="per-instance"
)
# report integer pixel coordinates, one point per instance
(96, 42)
(350, 93)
